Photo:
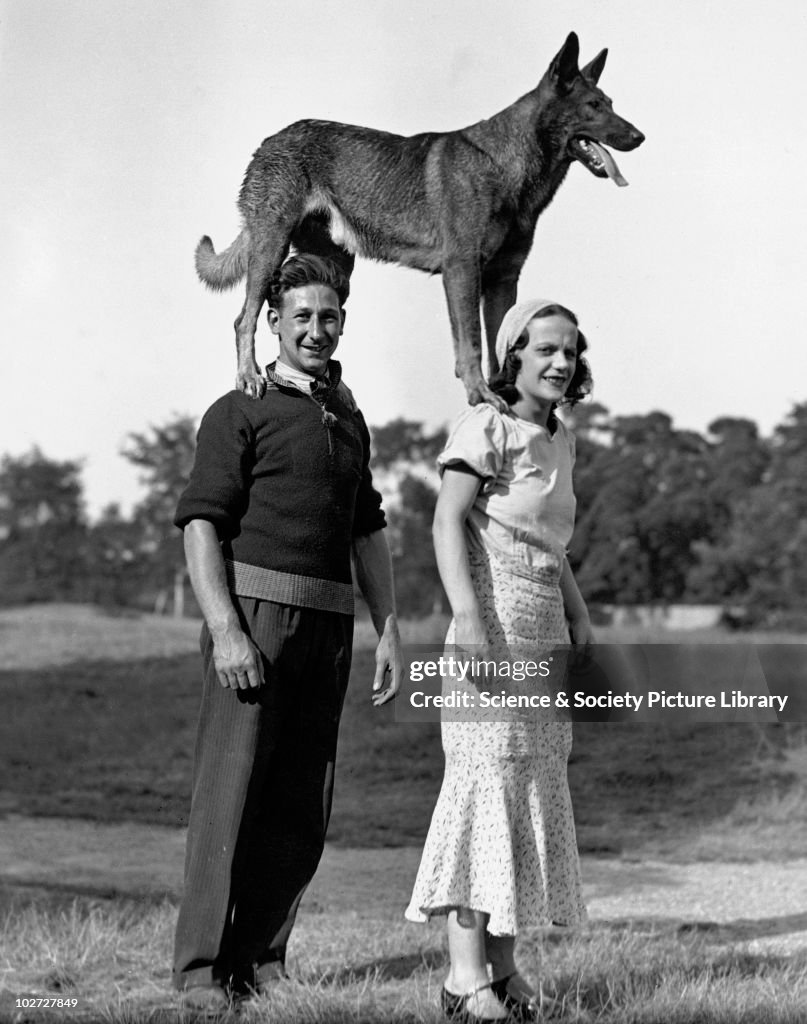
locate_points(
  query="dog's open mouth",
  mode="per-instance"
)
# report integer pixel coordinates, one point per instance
(598, 160)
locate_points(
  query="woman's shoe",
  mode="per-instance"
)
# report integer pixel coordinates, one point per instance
(530, 1010)
(522, 1010)
(456, 1007)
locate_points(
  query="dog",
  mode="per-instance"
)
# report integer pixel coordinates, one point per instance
(462, 203)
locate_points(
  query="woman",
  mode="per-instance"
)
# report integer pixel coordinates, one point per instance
(501, 852)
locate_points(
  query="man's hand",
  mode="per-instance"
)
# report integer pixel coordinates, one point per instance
(388, 659)
(237, 660)
(373, 565)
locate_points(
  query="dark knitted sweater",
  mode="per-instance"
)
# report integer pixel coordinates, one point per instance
(286, 481)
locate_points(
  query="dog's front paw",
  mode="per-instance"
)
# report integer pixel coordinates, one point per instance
(480, 392)
(251, 382)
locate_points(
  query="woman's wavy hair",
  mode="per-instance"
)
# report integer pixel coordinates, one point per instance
(504, 382)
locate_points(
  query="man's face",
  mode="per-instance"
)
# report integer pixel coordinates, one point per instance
(309, 324)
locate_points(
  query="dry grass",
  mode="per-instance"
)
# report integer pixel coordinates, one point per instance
(710, 635)
(113, 959)
(49, 635)
(42, 635)
(39, 635)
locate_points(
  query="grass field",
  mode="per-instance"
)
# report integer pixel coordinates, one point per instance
(99, 722)
(113, 956)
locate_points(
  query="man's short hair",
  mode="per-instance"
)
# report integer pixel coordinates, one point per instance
(304, 269)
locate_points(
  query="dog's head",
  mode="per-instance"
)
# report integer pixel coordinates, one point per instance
(586, 114)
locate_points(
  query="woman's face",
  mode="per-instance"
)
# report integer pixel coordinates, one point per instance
(548, 360)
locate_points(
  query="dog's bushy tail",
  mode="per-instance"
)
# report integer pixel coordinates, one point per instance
(220, 271)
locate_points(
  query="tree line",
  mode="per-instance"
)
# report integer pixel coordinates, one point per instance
(50, 551)
(664, 516)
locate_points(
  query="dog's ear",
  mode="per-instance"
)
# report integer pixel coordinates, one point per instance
(563, 70)
(593, 70)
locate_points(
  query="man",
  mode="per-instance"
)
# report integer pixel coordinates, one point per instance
(280, 496)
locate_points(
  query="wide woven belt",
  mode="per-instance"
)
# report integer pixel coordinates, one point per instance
(287, 588)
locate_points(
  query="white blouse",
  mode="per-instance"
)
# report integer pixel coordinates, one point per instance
(524, 511)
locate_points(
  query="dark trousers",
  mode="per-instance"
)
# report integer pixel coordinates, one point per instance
(262, 789)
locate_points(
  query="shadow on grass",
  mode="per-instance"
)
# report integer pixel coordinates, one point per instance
(116, 744)
(15, 897)
(713, 933)
(746, 930)
(113, 741)
(393, 968)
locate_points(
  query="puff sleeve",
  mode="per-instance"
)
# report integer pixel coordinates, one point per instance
(477, 440)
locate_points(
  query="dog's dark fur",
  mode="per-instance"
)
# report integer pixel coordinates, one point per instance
(461, 203)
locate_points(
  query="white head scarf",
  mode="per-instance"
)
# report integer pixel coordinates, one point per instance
(515, 320)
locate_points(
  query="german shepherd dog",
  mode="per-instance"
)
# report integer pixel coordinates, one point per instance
(462, 203)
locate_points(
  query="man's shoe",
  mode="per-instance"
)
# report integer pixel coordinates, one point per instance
(259, 980)
(205, 1000)
(269, 974)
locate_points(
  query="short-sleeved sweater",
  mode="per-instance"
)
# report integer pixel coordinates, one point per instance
(286, 481)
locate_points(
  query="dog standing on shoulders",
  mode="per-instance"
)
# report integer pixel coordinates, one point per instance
(461, 203)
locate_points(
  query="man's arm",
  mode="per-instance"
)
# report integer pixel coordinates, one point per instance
(374, 575)
(237, 660)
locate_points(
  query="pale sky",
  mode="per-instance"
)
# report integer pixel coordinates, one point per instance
(126, 129)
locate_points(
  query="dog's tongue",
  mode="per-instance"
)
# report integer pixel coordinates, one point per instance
(611, 168)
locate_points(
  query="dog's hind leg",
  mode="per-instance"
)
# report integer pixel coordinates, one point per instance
(262, 264)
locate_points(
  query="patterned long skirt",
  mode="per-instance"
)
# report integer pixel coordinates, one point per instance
(502, 838)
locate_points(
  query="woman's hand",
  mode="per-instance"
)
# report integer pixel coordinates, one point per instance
(470, 634)
(471, 643)
(577, 617)
(582, 637)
